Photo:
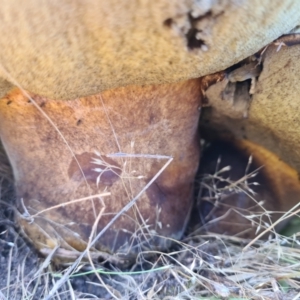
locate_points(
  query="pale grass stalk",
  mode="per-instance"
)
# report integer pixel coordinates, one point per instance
(93, 232)
(110, 124)
(200, 279)
(72, 294)
(8, 275)
(70, 202)
(2, 297)
(287, 215)
(297, 297)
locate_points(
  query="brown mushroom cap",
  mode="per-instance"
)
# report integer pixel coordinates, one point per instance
(63, 50)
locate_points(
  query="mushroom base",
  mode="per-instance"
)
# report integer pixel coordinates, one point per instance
(129, 154)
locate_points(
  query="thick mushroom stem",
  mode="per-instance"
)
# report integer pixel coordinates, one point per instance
(105, 148)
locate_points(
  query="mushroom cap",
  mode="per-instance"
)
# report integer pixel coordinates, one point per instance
(68, 49)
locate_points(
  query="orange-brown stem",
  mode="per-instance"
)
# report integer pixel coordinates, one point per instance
(77, 154)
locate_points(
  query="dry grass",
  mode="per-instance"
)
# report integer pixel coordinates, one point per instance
(198, 267)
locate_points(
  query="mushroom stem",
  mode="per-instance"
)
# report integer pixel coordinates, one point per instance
(81, 161)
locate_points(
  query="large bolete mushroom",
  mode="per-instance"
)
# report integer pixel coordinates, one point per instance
(100, 106)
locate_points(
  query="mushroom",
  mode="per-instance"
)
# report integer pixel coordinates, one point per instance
(100, 108)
